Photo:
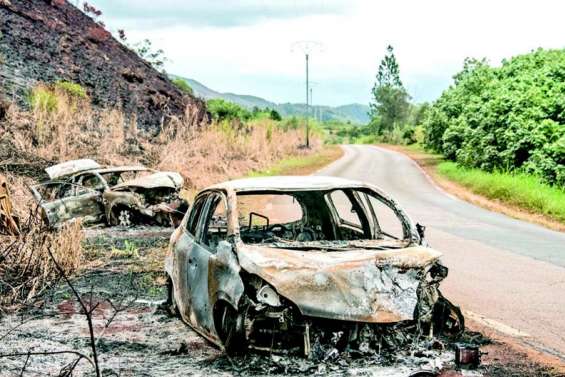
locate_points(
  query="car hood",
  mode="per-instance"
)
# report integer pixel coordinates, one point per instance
(160, 179)
(364, 285)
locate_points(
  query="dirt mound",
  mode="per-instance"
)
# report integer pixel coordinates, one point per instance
(48, 41)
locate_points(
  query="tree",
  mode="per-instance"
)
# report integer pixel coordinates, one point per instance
(145, 51)
(390, 105)
(274, 115)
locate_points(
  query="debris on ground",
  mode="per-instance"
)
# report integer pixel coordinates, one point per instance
(8, 221)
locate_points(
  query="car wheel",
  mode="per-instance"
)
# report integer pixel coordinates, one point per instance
(448, 319)
(170, 306)
(231, 329)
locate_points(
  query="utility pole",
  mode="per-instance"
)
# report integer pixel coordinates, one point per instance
(312, 108)
(307, 47)
(307, 104)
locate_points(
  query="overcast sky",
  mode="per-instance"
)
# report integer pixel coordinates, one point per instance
(245, 46)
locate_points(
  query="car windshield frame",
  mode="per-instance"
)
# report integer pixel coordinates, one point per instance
(356, 191)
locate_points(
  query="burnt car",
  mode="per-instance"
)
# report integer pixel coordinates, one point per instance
(294, 264)
(124, 195)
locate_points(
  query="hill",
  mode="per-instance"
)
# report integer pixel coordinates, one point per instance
(354, 113)
(49, 41)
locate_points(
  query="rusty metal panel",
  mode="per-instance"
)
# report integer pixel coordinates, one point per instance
(377, 286)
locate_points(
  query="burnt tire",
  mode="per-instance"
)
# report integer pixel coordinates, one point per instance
(230, 325)
(448, 319)
(170, 306)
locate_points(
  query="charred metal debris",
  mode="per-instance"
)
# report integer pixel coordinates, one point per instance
(115, 196)
(314, 266)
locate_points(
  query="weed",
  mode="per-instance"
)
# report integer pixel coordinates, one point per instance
(129, 251)
(71, 89)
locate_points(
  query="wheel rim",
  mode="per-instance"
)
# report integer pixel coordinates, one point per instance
(124, 218)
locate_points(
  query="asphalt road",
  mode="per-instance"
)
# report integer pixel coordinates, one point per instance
(505, 273)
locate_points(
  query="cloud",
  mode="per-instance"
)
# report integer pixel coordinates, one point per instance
(215, 13)
(245, 46)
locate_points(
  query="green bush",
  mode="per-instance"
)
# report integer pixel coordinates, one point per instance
(71, 89)
(183, 86)
(224, 110)
(510, 117)
(43, 99)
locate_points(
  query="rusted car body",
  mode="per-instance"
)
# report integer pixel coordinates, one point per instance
(291, 264)
(125, 195)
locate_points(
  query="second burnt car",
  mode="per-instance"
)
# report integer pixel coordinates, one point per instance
(294, 264)
(123, 196)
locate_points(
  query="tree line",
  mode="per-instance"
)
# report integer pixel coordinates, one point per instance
(506, 118)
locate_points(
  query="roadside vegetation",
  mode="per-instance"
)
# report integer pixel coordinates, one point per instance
(509, 118)
(303, 165)
(501, 130)
(59, 123)
(518, 189)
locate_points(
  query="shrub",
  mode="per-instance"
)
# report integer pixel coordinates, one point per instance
(510, 117)
(274, 115)
(71, 89)
(409, 135)
(41, 98)
(183, 86)
(225, 110)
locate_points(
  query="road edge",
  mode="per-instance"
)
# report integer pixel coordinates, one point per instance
(459, 191)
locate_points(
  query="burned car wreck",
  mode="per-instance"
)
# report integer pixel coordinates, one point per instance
(124, 196)
(293, 264)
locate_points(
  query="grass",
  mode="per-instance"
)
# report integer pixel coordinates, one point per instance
(518, 195)
(522, 190)
(302, 165)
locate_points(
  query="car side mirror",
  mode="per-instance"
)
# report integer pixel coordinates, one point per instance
(421, 229)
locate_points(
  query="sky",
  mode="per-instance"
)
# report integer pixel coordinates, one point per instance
(248, 46)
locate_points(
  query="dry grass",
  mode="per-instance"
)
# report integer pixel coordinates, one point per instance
(26, 269)
(60, 128)
(225, 151)
(67, 129)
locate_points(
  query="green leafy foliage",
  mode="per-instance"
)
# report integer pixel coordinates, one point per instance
(510, 117)
(183, 86)
(43, 99)
(71, 89)
(389, 108)
(222, 110)
(225, 110)
(145, 50)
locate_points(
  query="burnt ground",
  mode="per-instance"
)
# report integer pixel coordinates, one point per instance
(135, 337)
(52, 40)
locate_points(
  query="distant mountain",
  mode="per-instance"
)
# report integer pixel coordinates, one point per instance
(354, 113)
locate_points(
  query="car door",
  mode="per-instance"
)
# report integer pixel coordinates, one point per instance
(61, 201)
(86, 200)
(191, 270)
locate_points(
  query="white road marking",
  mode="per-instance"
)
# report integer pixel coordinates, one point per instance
(496, 325)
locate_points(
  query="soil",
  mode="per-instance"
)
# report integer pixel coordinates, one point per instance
(47, 41)
(136, 337)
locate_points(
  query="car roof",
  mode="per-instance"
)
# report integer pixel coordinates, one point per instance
(73, 167)
(287, 183)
